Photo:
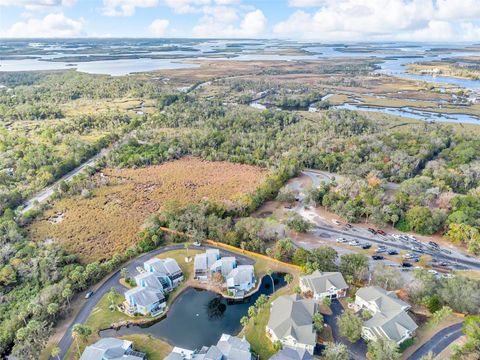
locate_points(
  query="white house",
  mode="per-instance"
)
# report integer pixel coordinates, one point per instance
(112, 348)
(166, 266)
(203, 263)
(241, 279)
(390, 317)
(145, 301)
(291, 322)
(324, 284)
(224, 265)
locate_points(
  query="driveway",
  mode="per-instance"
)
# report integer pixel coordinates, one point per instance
(113, 281)
(439, 341)
(357, 350)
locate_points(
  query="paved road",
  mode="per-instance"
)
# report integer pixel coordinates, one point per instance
(113, 281)
(357, 350)
(438, 342)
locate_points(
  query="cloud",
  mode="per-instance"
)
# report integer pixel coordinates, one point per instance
(158, 27)
(341, 20)
(221, 24)
(36, 5)
(52, 25)
(125, 7)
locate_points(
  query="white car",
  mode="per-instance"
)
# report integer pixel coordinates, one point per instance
(354, 243)
(140, 269)
(196, 243)
(341, 240)
(336, 222)
(434, 272)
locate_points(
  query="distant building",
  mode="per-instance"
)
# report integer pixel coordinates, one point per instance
(324, 284)
(112, 349)
(390, 317)
(228, 348)
(291, 322)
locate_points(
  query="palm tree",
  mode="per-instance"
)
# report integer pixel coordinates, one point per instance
(55, 352)
(80, 332)
(269, 273)
(288, 278)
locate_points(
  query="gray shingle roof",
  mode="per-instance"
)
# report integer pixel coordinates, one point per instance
(292, 354)
(320, 282)
(150, 279)
(234, 348)
(240, 275)
(109, 349)
(292, 316)
(145, 296)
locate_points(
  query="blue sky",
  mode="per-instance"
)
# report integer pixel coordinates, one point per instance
(325, 20)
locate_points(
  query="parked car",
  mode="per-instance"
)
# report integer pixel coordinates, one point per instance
(433, 244)
(140, 269)
(354, 243)
(434, 272)
(341, 240)
(381, 232)
(446, 251)
(417, 249)
(373, 231)
(377, 257)
(381, 249)
(366, 246)
(415, 259)
(408, 256)
(406, 264)
(197, 243)
(349, 226)
(88, 295)
(336, 222)
(392, 252)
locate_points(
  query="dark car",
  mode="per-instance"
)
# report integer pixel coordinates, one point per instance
(406, 264)
(415, 259)
(377, 257)
(366, 246)
(349, 226)
(392, 252)
(433, 244)
(381, 232)
(373, 231)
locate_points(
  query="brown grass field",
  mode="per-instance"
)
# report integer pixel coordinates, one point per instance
(110, 221)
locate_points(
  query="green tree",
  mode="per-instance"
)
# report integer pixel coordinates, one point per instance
(318, 321)
(55, 352)
(336, 351)
(354, 265)
(383, 349)
(288, 278)
(277, 345)
(244, 321)
(124, 273)
(350, 326)
(80, 334)
(53, 309)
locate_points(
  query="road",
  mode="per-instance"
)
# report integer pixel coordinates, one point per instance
(438, 342)
(113, 281)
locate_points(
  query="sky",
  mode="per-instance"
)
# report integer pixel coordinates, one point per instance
(322, 20)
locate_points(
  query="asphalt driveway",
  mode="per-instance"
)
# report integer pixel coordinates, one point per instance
(439, 341)
(357, 350)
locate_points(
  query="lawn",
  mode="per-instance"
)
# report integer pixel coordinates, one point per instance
(255, 330)
(155, 349)
(95, 228)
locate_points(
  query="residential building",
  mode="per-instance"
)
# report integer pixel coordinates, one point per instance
(145, 301)
(292, 354)
(228, 348)
(203, 263)
(154, 280)
(390, 318)
(166, 266)
(112, 349)
(241, 279)
(291, 322)
(324, 285)
(224, 265)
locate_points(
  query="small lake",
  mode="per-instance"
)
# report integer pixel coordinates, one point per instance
(198, 317)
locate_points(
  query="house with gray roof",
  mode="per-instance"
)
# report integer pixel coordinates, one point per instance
(145, 301)
(291, 322)
(224, 265)
(241, 279)
(203, 263)
(167, 266)
(228, 348)
(154, 280)
(390, 318)
(324, 285)
(112, 349)
(288, 353)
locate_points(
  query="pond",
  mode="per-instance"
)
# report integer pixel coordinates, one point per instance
(198, 317)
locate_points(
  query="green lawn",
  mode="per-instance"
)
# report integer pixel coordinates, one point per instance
(155, 349)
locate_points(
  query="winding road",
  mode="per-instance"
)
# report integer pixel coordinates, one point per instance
(438, 342)
(113, 281)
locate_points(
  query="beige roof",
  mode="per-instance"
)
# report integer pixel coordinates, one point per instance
(292, 316)
(320, 282)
